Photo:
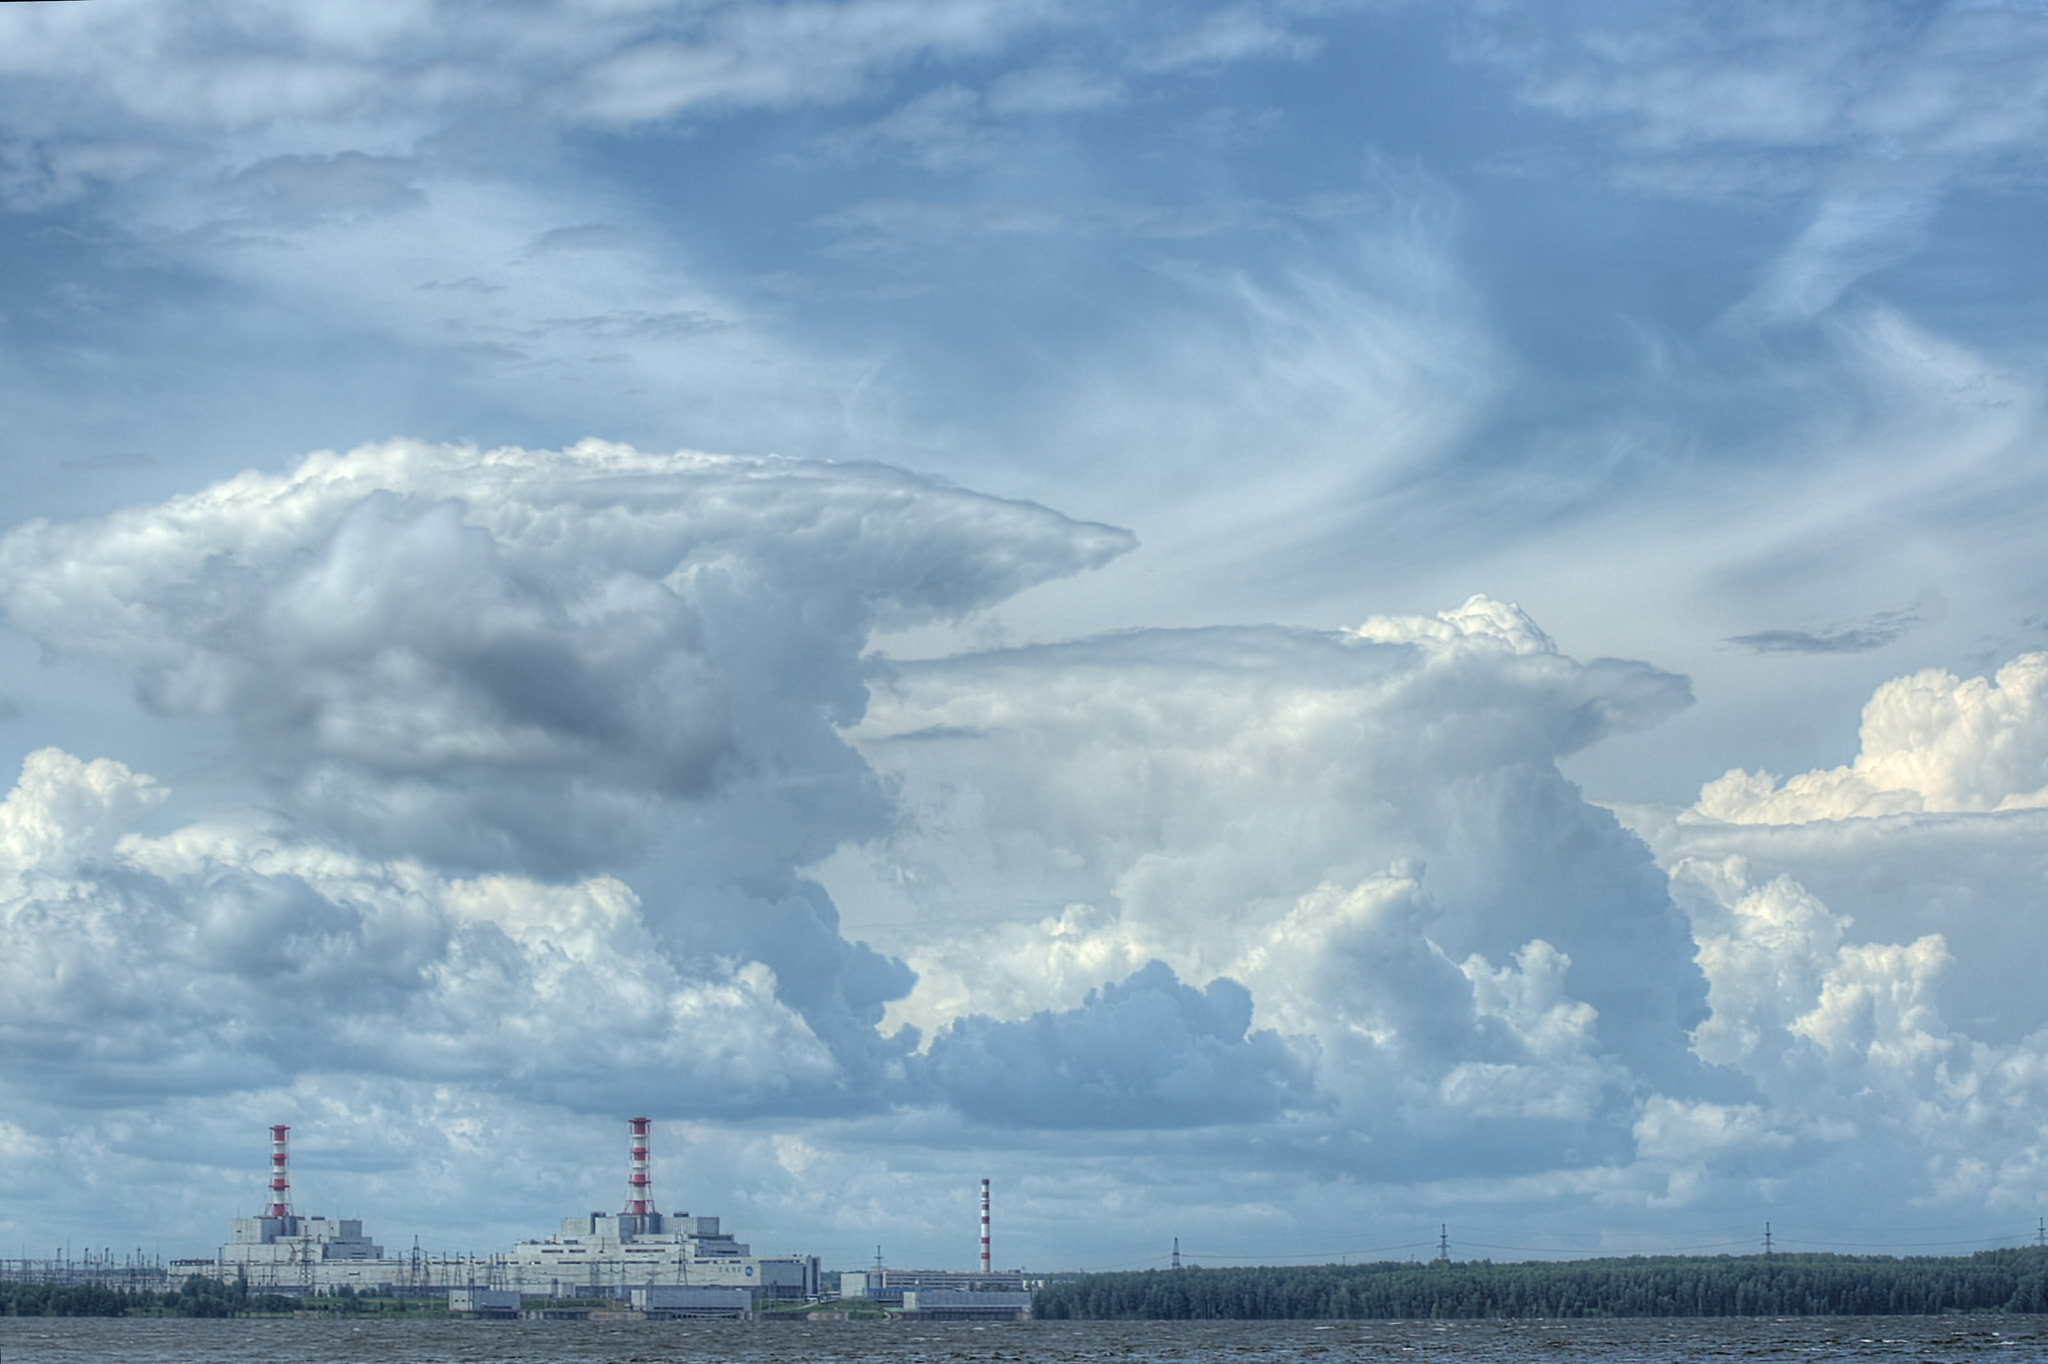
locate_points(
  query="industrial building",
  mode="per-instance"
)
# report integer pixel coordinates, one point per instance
(596, 1255)
(988, 1294)
(945, 1304)
(640, 1247)
(652, 1264)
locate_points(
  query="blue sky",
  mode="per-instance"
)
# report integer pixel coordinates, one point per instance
(1277, 623)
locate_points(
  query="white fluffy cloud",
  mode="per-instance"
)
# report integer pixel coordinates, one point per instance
(1328, 887)
(1365, 830)
(212, 959)
(1930, 742)
(1870, 935)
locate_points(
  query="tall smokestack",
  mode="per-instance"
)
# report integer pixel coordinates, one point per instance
(639, 1199)
(280, 1175)
(984, 1226)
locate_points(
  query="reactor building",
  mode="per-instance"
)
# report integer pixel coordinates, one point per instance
(642, 1248)
(598, 1255)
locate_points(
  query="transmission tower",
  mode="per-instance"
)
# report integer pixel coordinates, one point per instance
(1443, 1242)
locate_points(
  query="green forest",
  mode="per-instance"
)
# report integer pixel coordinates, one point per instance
(200, 1297)
(1639, 1286)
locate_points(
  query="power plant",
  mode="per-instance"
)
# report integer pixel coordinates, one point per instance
(650, 1262)
(597, 1254)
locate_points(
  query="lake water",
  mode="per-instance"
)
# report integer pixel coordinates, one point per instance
(1909, 1340)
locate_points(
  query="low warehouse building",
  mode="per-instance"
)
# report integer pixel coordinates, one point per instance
(947, 1304)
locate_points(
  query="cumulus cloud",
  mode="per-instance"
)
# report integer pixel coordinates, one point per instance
(1790, 992)
(1144, 1052)
(1870, 934)
(532, 658)
(1846, 1034)
(546, 662)
(1930, 742)
(1365, 829)
(216, 958)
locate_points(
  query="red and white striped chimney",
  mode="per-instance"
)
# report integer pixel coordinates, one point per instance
(280, 1175)
(639, 1195)
(984, 1226)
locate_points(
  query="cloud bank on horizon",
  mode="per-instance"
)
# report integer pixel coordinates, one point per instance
(1099, 750)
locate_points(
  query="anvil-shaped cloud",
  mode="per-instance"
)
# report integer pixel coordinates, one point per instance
(569, 761)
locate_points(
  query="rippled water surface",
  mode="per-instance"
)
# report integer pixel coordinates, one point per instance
(33, 1340)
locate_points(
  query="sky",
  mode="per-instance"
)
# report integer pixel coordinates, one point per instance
(1297, 624)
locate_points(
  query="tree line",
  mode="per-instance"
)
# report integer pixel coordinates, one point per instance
(1638, 1286)
(199, 1297)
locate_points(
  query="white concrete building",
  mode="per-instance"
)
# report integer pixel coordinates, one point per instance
(307, 1254)
(602, 1254)
(626, 1250)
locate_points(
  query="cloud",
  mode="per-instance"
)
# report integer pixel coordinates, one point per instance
(252, 63)
(1145, 1052)
(1366, 830)
(302, 189)
(1231, 33)
(1850, 236)
(1848, 1036)
(1876, 112)
(1870, 933)
(1873, 632)
(535, 658)
(217, 958)
(781, 55)
(541, 664)
(1053, 88)
(1847, 75)
(942, 130)
(1935, 832)
(1930, 742)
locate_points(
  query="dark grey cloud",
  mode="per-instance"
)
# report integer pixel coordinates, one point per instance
(1856, 637)
(1143, 1052)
